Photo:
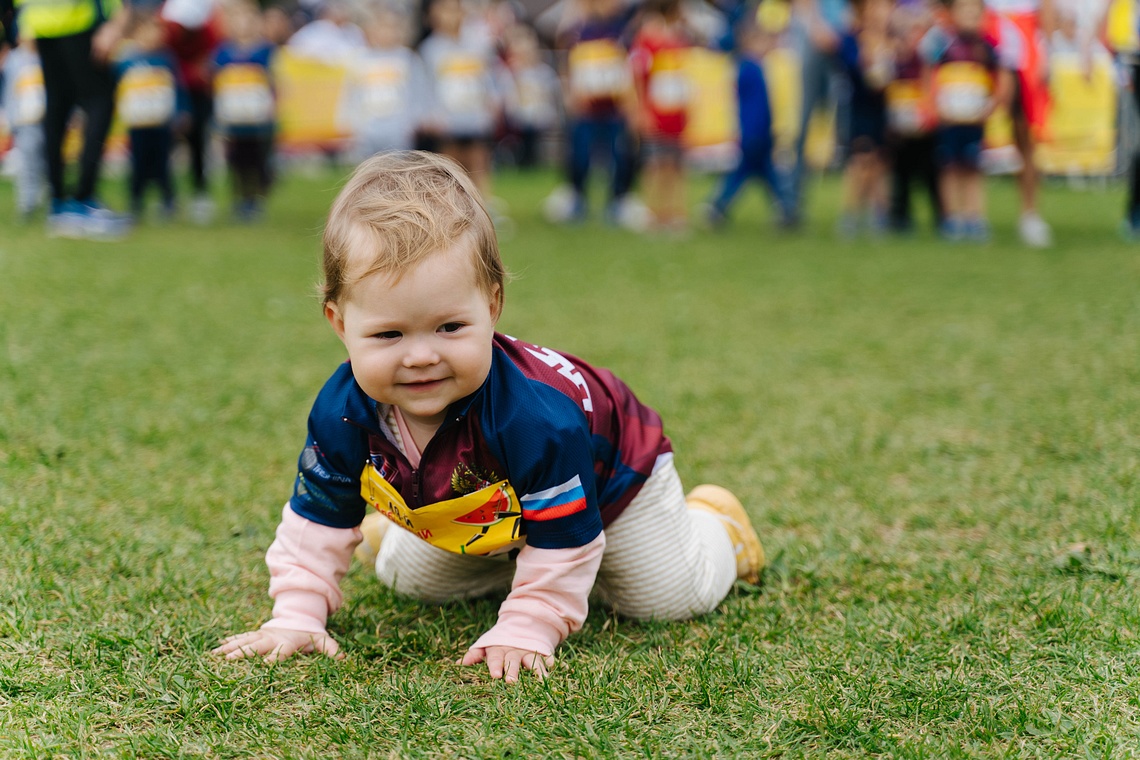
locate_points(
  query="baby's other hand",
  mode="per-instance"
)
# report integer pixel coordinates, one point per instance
(503, 662)
(276, 644)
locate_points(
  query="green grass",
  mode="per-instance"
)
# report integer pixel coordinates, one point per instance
(939, 445)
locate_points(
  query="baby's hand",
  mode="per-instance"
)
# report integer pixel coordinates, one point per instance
(276, 644)
(503, 662)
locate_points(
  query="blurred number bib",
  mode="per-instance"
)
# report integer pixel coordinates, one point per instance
(30, 98)
(242, 96)
(905, 107)
(598, 70)
(460, 80)
(668, 87)
(146, 97)
(485, 522)
(962, 91)
(383, 86)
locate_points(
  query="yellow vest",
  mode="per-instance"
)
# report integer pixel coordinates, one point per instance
(61, 18)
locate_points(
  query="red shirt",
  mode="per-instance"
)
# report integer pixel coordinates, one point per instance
(658, 58)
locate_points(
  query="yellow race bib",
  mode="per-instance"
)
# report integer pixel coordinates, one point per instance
(146, 97)
(668, 85)
(29, 97)
(460, 82)
(485, 522)
(904, 106)
(383, 87)
(598, 69)
(242, 96)
(962, 92)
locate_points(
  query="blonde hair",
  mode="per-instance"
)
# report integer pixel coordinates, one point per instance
(398, 209)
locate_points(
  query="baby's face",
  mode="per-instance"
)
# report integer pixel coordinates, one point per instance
(420, 342)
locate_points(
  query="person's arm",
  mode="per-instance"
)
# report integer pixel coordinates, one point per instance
(548, 602)
(306, 564)
(111, 32)
(1003, 91)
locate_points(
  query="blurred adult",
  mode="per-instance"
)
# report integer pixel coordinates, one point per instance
(817, 28)
(332, 38)
(75, 39)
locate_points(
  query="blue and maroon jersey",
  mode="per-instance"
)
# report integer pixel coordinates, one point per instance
(560, 448)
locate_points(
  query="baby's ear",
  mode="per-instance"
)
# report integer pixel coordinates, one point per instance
(496, 303)
(332, 314)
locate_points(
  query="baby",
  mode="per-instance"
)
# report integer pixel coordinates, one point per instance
(491, 465)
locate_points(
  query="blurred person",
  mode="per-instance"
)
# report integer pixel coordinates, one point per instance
(24, 107)
(385, 100)
(278, 25)
(466, 107)
(531, 92)
(866, 55)
(657, 55)
(333, 38)
(1020, 31)
(151, 102)
(193, 33)
(911, 120)
(754, 113)
(244, 107)
(816, 30)
(600, 104)
(968, 83)
(74, 39)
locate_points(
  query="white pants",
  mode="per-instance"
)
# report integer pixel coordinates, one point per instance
(662, 560)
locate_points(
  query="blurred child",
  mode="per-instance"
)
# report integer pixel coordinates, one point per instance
(967, 82)
(464, 462)
(150, 101)
(600, 101)
(466, 108)
(867, 59)
(754, 112)
(387, 86)
(663, 88)
(24, 106)
(530, 91)
(244, 107)
(911, 121)
(193, 31)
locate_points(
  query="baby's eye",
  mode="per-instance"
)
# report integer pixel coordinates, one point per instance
(451, 327)
(387, 335)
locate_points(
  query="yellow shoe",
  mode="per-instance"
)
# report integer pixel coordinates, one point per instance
(720, 502)
(373, 528)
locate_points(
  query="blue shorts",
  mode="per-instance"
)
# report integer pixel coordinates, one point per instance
(960, 145)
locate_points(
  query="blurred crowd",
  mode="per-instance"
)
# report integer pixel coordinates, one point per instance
(598, 86)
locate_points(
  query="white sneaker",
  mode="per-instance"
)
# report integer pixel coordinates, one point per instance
(1034, 231)
(202, 210)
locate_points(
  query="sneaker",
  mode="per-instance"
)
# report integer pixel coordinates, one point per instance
(373, 528)
(564, 206)
(714, 217)
(1034, 231)
(976, 230)
(202, 210)
(630, 213)
(100, 223)
(65, 220)
(952, 230)
(720, 502)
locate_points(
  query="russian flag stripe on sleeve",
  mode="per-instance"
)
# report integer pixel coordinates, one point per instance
(559, 501)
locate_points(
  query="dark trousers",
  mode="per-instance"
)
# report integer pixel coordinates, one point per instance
(198, 137)
(72, 79)
(248, 157)
(755, 163)
(150, 163)
(913, 160)
(608, 134)
(1133, 210)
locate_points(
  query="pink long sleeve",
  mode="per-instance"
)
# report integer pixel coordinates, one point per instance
(306, 563)
(548, 599)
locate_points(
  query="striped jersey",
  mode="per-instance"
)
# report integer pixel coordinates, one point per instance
(548, 450)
